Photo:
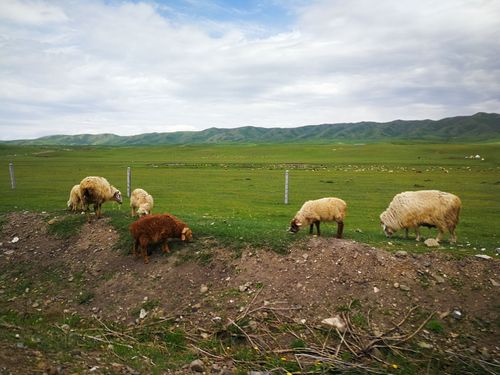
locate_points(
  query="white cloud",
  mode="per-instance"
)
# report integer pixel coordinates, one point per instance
(127, 68)
(30, 12)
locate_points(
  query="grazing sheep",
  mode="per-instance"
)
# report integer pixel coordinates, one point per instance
(324, 209)
(75, 199)
(97, 190)
(428, 208)
(152, 229)
(141, 202)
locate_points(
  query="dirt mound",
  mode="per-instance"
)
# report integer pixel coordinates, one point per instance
(203, 284)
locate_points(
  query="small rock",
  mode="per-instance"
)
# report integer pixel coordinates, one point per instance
(438, 279)
(197, 366)
(65, 327)
(494, 283)
(497, 250)
(483, 256)
(9, 252)
(425, 345)
(335, 322)
(143, 314)
(244, 287)
(15, 239)
(52, 221)
(431, 242)
(401, 253)
(404, 287)
(375, 289)
(396, 285)
(36, 304)
(457, 314)
(203, 289)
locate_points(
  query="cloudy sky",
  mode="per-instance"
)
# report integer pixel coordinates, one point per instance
(130, 67)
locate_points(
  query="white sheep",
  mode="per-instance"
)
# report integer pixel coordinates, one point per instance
(75, 199)
(97, 190)
(324, 209)
(428, 208)
(141, 202)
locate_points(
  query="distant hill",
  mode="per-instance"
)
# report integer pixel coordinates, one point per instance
(480, 127)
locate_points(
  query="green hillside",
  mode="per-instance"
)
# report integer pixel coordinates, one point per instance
(480, 127)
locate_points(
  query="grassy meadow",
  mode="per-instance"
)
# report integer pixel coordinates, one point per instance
(235, 193)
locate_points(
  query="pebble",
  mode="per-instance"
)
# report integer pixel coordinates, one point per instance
(425, 345)
(431, 242)
(335, 322)
(15, 239)
(494, 282)
(401, 253)
(197, 366)
(404, 287)
(438, 279)
(483, 256)
(457, 314)
(203, 289)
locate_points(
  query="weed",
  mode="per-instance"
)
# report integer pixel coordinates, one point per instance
(434, 326)
(150, 304)
(85, 297)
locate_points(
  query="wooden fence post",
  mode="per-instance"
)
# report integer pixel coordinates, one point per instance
(129, 181)
(286, 187)
(12, 177)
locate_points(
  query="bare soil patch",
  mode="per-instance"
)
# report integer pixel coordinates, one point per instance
(202, 285)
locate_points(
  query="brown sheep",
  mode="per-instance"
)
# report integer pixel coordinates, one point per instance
(152, 229)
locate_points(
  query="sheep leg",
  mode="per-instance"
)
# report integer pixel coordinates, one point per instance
(417, 232)
(135, 247)
(317, 227)
(311, 228)
(440, 235)
(144, 251)
(165, 248)
(406, 233)
(453, 236)
(340, 229)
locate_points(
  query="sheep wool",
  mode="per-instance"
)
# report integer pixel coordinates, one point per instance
(97, 190)
(141, 202)
(75, 199)
(429, 208)
(158, 228)
(315, 211)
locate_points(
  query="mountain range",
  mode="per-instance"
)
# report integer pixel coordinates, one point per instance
(481, 127)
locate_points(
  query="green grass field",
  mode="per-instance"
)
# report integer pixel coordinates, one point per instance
(235, 193)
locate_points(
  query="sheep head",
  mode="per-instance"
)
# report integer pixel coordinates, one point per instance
(186, 234)
(143, 210)
(385, 222)
(295, 226)
(117, 196)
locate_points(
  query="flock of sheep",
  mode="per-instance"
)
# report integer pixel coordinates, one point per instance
(148, 229)
(407, 210)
